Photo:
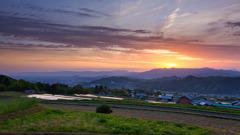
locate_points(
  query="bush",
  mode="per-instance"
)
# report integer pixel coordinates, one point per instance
(104, 109)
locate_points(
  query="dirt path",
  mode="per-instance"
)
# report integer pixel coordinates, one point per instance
(22, 113)
(223, 126)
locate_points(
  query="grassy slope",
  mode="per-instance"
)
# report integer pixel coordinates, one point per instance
(72, 121)
(190, 107)
(16, 104)
(13, 93)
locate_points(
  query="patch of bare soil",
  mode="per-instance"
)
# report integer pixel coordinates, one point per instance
(4, 97)
(22, 113)
(221, 126)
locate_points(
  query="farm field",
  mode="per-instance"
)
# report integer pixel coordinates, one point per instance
(12, 107)
(224, 126)
(12, 94)
(180, 106)
(233, 114)
(53, 120)
(28, 116)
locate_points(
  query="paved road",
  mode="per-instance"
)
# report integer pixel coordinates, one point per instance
(145, 107)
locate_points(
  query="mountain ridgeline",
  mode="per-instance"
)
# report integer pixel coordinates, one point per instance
(184, 72)
(200, 80)
(208, 85)
(151, 74)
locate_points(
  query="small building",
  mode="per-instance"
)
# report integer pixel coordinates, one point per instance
(185, 100)
(201, 103)
(109, 93)
(101, 93)
(29, 91)
(166, 98)
(141, 95)
(208, 103)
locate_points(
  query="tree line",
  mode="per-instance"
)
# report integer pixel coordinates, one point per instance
(9, 84)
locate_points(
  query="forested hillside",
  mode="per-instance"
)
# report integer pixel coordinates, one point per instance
(9, 84)
(214, 85)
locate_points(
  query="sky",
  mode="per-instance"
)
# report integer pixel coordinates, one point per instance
(133, 35)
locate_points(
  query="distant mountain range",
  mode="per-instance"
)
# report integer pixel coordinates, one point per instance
(183, 72)
(205, 85)
(202, 80)
(154, 73)
(72, 78)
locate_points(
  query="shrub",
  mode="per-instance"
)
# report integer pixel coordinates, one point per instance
(104, 109)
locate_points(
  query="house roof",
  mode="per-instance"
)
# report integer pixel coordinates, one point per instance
(200, 102)
(141, 94)
(235, 102)
(166, 97)
(188, 97)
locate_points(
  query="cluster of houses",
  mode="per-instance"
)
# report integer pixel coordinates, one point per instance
(185, 100)
(190, 101)
(168, 98)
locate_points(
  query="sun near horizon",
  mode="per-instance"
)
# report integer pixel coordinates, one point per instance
(171, 65)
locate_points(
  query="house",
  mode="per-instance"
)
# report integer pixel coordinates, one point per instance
(185, 100)
(29, 91)
(141, 95)
(132, 92)
(207, 103)
(101, 93)
(109, 93)
(236, 103)
(198, 102)
(201, 102)
(166, 98)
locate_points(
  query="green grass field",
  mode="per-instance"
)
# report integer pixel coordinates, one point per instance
(16, 104)
(181, 106)
(13, 94)
(52, 120)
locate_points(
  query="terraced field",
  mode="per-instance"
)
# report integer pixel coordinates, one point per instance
(221, 125)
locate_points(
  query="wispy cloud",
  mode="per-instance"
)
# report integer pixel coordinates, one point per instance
(171, 19)
(183, 57)
(118, 48)
(94, 12)
(160, 7)
(158, 51)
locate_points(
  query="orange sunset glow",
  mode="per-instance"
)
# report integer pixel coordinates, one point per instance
(134, 35)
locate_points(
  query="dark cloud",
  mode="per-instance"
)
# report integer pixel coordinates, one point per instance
(93, 11)
(213, 30)
(237, 33)
(60, 11)
(142, 31)
(79, 36)
(232, 24)
(108, 29)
